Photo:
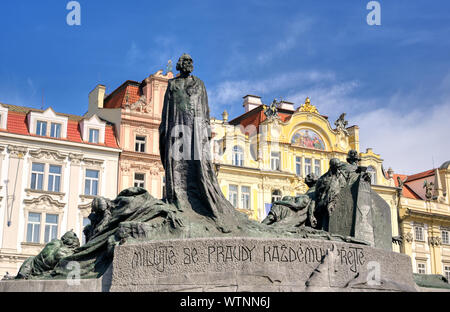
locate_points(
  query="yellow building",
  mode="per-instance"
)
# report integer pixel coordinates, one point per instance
(265, 153)
(424, 211)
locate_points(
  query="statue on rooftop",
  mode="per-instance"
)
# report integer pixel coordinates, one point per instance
(428, 186)
(341, 124)
(272, 110)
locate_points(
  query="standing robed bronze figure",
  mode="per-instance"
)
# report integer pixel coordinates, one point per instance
(185, 131)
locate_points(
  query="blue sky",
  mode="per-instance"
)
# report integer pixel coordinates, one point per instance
(392, 80)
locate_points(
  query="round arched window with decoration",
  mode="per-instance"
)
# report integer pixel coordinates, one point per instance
(308, 138)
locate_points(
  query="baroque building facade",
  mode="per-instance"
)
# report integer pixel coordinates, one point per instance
(424, 218)
(51, 167)
(265, 154)
(135, 109)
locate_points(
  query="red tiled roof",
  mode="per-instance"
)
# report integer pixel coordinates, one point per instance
(421, 175)
(402, 177)
(118, 98)
(256, 116)
(408, 191)
(17, 124)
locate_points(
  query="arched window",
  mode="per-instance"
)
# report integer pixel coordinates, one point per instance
(276, 195)
(238, 156)
(373, 174)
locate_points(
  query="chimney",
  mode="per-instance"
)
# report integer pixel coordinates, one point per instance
(287, 105)
(146, 87)
(96, 97)
(251, 102)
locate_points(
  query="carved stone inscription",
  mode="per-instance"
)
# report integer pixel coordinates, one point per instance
(256, 264)
(159, 258)
(171, 258)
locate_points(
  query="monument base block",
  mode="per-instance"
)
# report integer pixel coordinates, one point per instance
(241, 265)
(258, 264)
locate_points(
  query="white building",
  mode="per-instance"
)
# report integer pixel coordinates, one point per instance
(51, 167)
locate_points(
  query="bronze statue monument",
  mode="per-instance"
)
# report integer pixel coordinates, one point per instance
(339, 206)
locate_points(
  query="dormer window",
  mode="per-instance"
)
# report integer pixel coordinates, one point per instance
(93, 130)
(41, 128)
(48, 124)
(55, 130)
(93, 135)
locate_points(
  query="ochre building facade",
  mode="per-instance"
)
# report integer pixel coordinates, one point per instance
(262, 156)
(424, 211)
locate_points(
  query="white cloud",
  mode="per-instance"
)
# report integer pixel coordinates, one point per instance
(332, 98)
(407, 132)
(229, 91)
(407, 141)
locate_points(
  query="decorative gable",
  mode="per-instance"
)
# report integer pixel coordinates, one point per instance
(89, 128)
(55, 125)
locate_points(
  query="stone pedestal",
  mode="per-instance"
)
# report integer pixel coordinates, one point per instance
(242, 264)
(252, 264)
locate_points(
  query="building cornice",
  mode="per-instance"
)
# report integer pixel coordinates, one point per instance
(136, 156)
(59, 142)
(425, 215)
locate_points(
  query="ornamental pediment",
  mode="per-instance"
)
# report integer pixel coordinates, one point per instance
(93, 162)
(47, 154)
(44, 203)
(140, 105)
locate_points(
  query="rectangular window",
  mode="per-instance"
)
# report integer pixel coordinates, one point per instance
(308, 164)
(418, 231)
(41, 128)
(140, 144)
(233, 195)
(298, 166)
(51, 227)
(317, 168)
(37, 176)
(447, 272)
(55, 130)
(421, 268)
(93, 135)
(54, 178)
(33, 227)
(245, 197)
(445, 239)
(139, 180)
(91, 182)
(86, 222)
(275, 161)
